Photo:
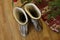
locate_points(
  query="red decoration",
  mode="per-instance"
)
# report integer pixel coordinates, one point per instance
(15, 0)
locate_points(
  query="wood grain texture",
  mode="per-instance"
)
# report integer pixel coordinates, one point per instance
(9, 28)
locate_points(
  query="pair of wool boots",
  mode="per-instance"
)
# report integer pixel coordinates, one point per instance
(29, 12)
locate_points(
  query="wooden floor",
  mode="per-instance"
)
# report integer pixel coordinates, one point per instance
(9, 28)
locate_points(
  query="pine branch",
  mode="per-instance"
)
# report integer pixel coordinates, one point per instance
(55, 8)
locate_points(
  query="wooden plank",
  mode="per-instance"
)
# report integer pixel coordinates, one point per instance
(9, 28)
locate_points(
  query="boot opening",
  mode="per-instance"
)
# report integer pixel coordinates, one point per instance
(33, 11)
(20, 16)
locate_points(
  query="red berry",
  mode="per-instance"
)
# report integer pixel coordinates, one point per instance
(15, 0)
(51, 22)
(44, 17)
(58, 17)
(58, 20)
